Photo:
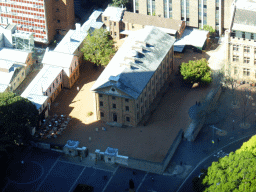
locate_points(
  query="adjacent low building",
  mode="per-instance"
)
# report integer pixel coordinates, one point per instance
(120, 23)
(241, 42)
(14, 67)
(129, 84)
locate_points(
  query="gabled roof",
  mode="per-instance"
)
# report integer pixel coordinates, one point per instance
(16, 55)
(115, 13)
(142, 19)
(57, 59)
(131, 77)
(42, 81)
(73, 39)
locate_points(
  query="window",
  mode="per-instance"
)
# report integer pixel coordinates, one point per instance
(235, 47)
(217, 8)
(187, 19)
(246, 72)
(60, 76)
(57, 81)
(113, 98)
(101, 114)
(22, 73)
(53, 85)
(101, 103)
(50, 90)
(113, 89)
(205, 6)
(182, 18)
(246, 49)
(246, 59)
(243, 34)
(137, 106)
(141, 100)
(126, 108)
(128, 119)
(114, 33)
(200, 21)
(114, 106)
(100, 95)
(132, 26)
(57, 10)
(127, 100)
(254, 50)
(105, 19)
(252, 36)
(205, 14)
(114, 23)
(46, 93)
(235, 58)
(71, 69)
(254, 61)
(58, 21)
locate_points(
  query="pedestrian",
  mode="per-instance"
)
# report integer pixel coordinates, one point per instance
(131, 184)
(77, 88)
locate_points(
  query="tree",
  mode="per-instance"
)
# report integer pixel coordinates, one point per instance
(196, 71)
(232, 173)
(119, 3)
(249, 146)
(17, 117)
(98, 47)
(208, 28)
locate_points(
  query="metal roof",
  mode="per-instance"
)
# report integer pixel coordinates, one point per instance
(115, 13)
(42, 81)
(191, 36)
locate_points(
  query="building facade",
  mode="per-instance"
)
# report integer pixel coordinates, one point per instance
(131, 81)
(43, 18)
(195, 13)
(241, 43)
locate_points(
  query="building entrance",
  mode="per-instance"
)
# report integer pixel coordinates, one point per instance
(114, 117)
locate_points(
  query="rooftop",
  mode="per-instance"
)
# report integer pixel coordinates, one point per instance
(74, 38)
(142, 19)
(191, 36)
(244, 18)
(115, 13)
(17, 55)
(147, 47)
(57, 59)
(34, 92)
(246, 5)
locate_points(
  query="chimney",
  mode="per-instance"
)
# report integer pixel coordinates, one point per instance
(78, 27)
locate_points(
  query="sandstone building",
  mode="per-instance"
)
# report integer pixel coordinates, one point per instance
(130, 83)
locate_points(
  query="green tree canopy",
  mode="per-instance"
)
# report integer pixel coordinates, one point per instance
(17, 116)
(98, 47)
(232, 173)
(208, 28)
(119, 3)
(249, 146)
(196, 71)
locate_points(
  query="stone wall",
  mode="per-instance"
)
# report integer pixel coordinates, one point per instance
(208, 106)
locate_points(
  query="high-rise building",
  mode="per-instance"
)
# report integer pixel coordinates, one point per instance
(43, 18)
(195, 13)
(241, 42)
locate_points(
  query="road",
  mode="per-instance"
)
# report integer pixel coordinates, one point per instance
(187, 185)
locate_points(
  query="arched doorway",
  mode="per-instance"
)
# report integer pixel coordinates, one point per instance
(114, 117)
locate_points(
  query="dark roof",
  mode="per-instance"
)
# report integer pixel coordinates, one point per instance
(142, 19)
(245, 17)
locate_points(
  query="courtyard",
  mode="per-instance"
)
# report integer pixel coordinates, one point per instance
(150, 142)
